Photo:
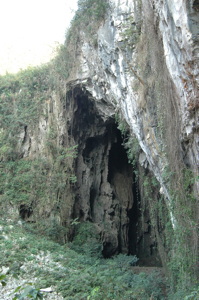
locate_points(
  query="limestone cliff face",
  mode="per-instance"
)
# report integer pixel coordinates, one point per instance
(141, 65)
(144, 66)
(145, 74)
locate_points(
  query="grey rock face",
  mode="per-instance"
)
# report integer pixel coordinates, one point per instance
(146, 67)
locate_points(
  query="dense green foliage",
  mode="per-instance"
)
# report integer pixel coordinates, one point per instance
(27, 292)
(21, 96)
(76, 275)
(96, 10)
(31, 182)
(87, 240)
(183, 260)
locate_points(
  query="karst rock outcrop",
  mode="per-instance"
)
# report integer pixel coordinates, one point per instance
(131, 105)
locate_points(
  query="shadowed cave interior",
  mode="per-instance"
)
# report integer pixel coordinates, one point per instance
(114, 201)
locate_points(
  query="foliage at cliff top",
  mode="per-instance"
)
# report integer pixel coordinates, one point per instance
(90, 10)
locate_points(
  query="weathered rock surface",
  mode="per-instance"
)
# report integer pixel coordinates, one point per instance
(127, 79)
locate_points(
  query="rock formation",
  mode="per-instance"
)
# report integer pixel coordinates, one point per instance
(130, 104)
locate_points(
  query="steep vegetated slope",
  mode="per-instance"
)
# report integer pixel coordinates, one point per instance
(106, 135)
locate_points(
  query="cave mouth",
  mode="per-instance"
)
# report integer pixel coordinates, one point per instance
(108, 193)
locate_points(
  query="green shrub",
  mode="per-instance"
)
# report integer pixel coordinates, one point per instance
(3, 279)
(86, 240)
(27, 292)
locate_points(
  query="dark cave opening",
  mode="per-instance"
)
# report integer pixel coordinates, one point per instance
(134, 216)
(139, 239)
(119, 164)
(85, 117)
(117, 156)
(108, 193)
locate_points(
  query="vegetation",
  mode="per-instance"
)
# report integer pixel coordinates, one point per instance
(28, 291)
(130, 143)
(21, 98)
(3, 279)
(73, 273)
(176, 241)
(33, 185)
(183, 259)
(87, 240)
(89, 15)
(130, 34)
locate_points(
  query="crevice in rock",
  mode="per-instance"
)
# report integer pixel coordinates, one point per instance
(134, 216)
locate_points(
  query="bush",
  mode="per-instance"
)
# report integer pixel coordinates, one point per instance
(27, 292)
(87, 240)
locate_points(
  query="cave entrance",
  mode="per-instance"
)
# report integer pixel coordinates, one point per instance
(107, 193)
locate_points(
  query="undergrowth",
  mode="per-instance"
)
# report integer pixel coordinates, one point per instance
(76, 274)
